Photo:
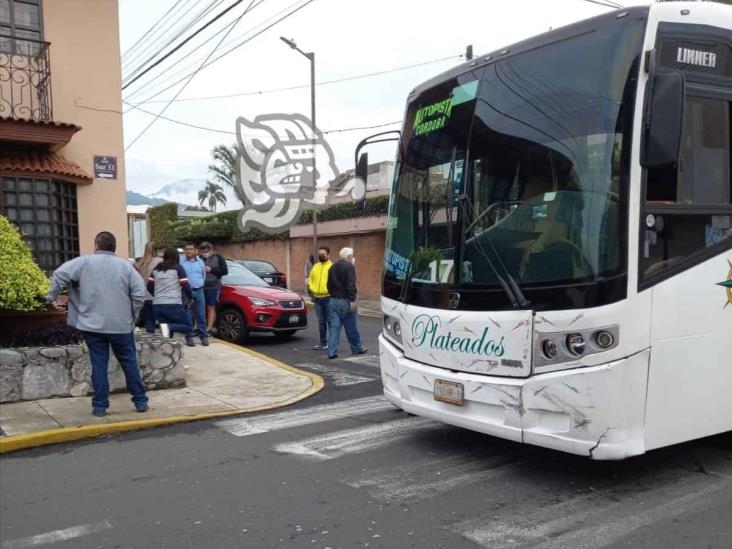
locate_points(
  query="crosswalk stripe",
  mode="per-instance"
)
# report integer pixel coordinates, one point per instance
(356, 440)
(336, 375)
(427, 478)
(590, 521)
(287, 419)
(364, 360)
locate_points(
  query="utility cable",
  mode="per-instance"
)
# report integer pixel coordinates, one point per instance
(194, 20)
(179, 46)
(148, 31)
(302, 86)
(192, 76)
(230, 50)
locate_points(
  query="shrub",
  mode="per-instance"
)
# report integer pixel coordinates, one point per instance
(23, 286)
(223, 227)
(160, 218)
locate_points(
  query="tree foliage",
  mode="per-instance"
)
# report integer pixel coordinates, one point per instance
(223, 169)
(213, 194)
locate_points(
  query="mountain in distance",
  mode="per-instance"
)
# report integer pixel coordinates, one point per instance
(137, 199)
(182, 191)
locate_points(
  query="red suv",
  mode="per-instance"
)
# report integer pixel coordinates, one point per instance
(248, 304)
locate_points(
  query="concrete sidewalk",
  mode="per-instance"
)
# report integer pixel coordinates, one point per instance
(222, 379)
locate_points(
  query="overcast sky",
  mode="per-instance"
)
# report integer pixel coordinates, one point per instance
(349, 38)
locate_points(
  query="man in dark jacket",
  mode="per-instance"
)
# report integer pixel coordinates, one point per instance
(216, 267)
(342, 310)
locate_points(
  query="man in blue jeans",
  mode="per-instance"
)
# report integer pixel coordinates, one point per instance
(196, 271)
(105, 295)
(342, 310)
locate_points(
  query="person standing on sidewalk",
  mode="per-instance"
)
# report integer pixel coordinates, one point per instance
(152, 257)
(308, 267)
(216, 267)
(168, 284)
(342, 290)
(196, 272)
(106, 294)
(318, 288)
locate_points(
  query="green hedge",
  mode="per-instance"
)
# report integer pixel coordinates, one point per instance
(160, 223)
(223, 227)
(23, 286)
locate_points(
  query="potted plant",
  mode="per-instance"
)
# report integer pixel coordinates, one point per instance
(23, 287)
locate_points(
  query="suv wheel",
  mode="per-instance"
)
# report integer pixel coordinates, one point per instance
(232, 326)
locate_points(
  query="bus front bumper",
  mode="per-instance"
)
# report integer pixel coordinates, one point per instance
(594, 411)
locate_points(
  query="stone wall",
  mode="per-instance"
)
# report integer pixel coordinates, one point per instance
(35, 373)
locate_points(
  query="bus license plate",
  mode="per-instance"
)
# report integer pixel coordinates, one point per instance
(448, 391)
(294, 319)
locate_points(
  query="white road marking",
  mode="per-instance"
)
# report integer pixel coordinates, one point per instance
(357, 440)
(590, 521)
(427, 478)
(337, 375)
(288, 419)
(364, 360)
(56, 536)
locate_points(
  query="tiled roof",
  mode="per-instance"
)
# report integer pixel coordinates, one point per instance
(40, 122)
(41, 162)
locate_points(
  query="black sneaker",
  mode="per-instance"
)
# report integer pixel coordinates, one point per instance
(319, 347)
(361, 352)
(204, 342)
(190, 342)
(142, 409)
(332, 356)
(99, 412)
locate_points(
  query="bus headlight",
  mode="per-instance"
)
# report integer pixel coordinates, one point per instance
(558, 350)
(392, 329)
(549, 348)
(576, 344)
(604, 339)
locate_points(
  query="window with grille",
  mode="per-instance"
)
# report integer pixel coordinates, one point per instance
(45, 211)
(20, 26)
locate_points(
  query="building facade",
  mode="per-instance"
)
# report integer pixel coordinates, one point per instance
(62, 174)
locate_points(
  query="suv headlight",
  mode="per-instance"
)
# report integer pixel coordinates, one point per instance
(259, 302)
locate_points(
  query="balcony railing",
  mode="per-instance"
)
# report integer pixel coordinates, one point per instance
(25, 79)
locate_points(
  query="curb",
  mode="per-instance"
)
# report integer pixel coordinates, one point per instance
(69, 434)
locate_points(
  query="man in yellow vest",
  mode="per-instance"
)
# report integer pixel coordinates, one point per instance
(318, 287)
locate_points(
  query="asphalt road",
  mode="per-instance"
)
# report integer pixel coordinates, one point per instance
(344, 469)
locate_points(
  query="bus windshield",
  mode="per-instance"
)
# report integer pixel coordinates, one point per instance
(518, 171)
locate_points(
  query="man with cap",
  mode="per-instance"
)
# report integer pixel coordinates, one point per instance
(215, 266)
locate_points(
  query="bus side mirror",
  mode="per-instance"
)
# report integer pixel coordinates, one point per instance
(362, 172)
(664, 117)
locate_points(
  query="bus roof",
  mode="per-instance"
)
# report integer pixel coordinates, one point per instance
(562, 33)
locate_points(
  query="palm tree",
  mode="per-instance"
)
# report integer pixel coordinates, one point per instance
(224, 168)
(213, 193)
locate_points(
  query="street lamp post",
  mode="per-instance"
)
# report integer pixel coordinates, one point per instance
(311, 57)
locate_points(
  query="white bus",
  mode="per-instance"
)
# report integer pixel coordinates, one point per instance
(558, 266)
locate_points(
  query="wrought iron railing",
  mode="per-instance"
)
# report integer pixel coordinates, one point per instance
(25, 79)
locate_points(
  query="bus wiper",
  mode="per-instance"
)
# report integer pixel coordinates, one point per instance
(510, 286)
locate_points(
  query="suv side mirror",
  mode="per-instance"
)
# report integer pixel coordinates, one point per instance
(664, 116)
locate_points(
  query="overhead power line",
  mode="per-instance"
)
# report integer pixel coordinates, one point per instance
(302, 86)
(192, 75)
(131, 72)
(179, 46)
(228, 132)
(168, 27)
(237, 46)
(148, 31)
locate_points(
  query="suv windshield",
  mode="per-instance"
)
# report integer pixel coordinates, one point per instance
(241, 276)
(518, 171)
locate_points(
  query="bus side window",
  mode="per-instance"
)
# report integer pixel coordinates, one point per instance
(689, 208)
